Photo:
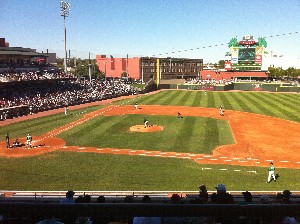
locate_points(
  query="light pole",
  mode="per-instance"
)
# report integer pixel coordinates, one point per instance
(64, 11)
(142, 71)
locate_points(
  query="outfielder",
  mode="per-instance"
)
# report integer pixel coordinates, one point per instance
(271, 173)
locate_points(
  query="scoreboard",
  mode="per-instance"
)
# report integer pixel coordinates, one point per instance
(245, 55)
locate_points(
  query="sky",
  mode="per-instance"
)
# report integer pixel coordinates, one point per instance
(151, 27)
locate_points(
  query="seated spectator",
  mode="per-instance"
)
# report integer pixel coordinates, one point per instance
(101, 199)
(264, 199)
(146, 220)
(247, 198)
(83, 220)
(286, 197)
(221, 197)
(175, 199)
(203, 193)
(69, 198)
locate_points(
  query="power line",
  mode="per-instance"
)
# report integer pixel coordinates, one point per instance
(217, 45)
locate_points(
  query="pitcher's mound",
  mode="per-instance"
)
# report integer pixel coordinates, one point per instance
(141, 128)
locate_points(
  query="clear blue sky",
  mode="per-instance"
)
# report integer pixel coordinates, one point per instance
(150, 27)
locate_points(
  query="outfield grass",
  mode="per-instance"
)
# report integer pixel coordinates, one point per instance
(90, 171)
(281, 105)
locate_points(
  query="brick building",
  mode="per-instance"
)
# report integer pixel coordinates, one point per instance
(146, 68)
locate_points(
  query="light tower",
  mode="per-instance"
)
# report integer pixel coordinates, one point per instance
(64, 11)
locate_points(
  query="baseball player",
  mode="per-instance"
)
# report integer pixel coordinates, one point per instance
(7, 141)
(221, 111)
(29, 140)
(271, 173)
(66, 110)
(136, 105)
(179, 115)
(146, 122)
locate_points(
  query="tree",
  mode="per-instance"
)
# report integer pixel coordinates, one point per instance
(82, 69)
(221, 64)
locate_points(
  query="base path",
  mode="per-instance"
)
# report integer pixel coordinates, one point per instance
(258, 139)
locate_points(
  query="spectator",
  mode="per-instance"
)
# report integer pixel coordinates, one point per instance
(83, 220)
(264, 199)
(203, 195)
(221, 197)
(175, 199)
(247, 198)
(69, 199)
(146, 220)
(286, 197)
(101, 199)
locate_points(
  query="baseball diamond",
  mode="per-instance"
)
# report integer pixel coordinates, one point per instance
(254, 142)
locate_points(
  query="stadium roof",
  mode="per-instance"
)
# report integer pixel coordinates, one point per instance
(20, 51)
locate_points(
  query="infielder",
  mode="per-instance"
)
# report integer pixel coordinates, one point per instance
(271, 173)
(221, 111)
(146, 122)
(136, 105)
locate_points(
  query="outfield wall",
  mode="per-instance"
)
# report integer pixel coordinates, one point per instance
(242, 86)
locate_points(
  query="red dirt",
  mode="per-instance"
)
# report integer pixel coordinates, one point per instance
(259, 139)
(141, 128)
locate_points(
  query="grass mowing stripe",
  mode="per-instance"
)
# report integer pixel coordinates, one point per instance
(244, 104)
(289, 103)
(174, 98)
(153, 98)
(211, 131)
(218, 99)
(166, 99)
(211, 100)
(190, 98)
(185, 100)
(266, 103)
(197, 99)
(256, 104)
(286, 100)
(185, 133)
(229, 102)
(282, 110)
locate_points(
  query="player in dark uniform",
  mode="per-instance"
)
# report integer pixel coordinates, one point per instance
(146, 122)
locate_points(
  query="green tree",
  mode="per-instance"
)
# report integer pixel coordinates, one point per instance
(221, 64)
(82, 69)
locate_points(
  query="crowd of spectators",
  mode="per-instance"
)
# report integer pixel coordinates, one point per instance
(40, 96)
(199, 81)
(32, 75)
(221, 196)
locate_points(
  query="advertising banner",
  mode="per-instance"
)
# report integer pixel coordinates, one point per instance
(258, 54)
(234, 55)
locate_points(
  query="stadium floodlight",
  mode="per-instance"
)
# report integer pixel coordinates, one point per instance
(64, 11)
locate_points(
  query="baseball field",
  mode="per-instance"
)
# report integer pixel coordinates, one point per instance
(105, 146)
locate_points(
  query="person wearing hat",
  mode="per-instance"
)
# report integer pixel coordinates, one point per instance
(271, 173)
(221, 197)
